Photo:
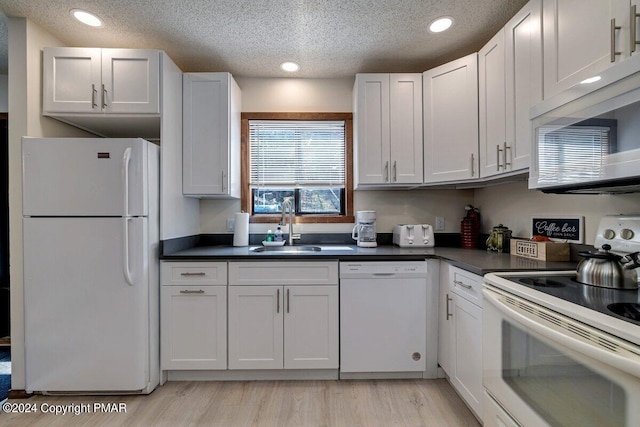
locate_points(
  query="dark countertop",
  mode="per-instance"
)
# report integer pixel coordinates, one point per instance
(473, 260)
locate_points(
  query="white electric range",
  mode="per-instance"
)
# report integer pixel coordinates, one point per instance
(561, 353)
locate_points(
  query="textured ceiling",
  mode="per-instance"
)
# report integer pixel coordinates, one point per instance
(328, 38)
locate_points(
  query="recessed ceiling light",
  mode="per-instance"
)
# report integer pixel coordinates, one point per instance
(590, 80)
(441, 24)
(290, 67)
(86, 17)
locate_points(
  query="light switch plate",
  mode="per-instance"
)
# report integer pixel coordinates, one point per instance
(230, 224)
(439, 223)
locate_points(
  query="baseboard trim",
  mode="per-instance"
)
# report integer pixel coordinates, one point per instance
(18, 394)
(258, 375)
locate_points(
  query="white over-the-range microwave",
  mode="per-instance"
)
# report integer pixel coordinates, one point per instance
(587, 139)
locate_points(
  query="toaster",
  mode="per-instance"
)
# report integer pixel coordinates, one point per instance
(419, 236)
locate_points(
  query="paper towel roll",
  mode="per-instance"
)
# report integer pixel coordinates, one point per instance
(241, 229)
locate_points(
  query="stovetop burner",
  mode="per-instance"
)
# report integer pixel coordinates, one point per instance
(620, 303)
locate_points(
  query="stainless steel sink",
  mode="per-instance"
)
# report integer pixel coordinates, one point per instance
(300, 249)
(287, 249)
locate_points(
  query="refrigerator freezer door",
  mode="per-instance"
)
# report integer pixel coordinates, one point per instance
(84, 177)
(86, 327)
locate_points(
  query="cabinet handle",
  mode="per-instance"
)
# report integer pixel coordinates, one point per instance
(504, 154)
(473, 172)
(449, 314)
(288, 304)
(613, 40)
(498, 165)
(193, 274)
(386, 171)
(395, 171)
(224, 186)
(186, 291)
(94, 92)
(104, 96)
(278, 301)
(632, 28)
(464, 285)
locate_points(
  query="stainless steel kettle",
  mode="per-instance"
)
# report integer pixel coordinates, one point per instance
(608, 270)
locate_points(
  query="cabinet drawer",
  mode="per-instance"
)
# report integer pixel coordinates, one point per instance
(465, 284)
(283, 273)
(193, 273)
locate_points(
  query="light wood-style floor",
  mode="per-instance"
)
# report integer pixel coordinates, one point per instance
(269, 403)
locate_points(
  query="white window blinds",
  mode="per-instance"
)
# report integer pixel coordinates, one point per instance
(292, 153)
(572, 153)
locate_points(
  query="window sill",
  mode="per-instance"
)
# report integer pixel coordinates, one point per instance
(307, 219)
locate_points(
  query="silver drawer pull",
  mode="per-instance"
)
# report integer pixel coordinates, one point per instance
(193, 274)
(464, 285)
(187, 291)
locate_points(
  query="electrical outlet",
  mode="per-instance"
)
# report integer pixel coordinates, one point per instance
(230, 224)
(439, 223)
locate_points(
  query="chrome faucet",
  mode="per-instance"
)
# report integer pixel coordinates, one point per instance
(288, 203)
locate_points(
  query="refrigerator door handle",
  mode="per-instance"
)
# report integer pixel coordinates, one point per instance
(125, 252)
(126, 160)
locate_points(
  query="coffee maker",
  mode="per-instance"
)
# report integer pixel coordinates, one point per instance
(364, 232)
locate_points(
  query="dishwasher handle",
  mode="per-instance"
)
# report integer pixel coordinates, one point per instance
(383, 274)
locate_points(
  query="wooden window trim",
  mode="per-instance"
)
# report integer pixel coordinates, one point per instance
(245, 197)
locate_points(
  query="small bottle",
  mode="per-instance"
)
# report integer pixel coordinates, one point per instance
(270, 236)
(278, 236)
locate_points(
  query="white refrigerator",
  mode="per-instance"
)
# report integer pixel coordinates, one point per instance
(91, 262)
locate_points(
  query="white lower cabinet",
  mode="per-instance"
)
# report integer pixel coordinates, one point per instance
(287, 318)
(461, 357)
(193, 301)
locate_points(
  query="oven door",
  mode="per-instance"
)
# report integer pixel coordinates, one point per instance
(545, 369)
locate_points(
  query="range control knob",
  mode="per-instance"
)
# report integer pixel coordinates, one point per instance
(609, 234)
(626, 234)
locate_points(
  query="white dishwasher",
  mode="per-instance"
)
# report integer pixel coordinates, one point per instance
(383, 317)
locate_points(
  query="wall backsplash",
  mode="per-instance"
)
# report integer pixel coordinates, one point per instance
(393, 207)
(514, 204)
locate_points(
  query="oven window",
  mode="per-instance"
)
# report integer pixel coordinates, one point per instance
(557, 387)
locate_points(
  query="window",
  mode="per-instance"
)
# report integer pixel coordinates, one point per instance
(305, 156)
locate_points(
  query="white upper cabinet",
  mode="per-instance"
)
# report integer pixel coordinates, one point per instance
(523, 58)
(211, 135)
(388, 129)
(492, 103)
(450, 101)
(582, 38)
(510, 83)
(104, 81)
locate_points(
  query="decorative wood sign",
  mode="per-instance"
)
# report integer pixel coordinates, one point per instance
(562, 228)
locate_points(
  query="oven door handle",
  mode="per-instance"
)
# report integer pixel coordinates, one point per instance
(625, 359)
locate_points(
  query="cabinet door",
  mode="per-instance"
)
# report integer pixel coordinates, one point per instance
(130, 81)
(450, 104)
(578, 40)
(405, 126)
(72, 80)
(311, 327)
(491, 76)
(194, 327)
(371, 129)
(255, 327)
(466, 340)
(206, 116)
(523, 57)
(444, 320)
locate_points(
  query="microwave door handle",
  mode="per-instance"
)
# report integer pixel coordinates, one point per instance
(629, 365)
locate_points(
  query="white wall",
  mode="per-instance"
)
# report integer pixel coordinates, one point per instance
(513, 205)
(25, 91)
(334, 95)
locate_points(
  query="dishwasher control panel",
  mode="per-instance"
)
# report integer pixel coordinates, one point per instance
(381, 269)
